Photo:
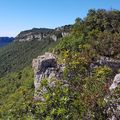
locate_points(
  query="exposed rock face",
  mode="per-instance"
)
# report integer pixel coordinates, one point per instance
(112, 109)
(116, 82)
(53, 37)
(45, 67)
(110, 62)
(43, 33)
(106, 61)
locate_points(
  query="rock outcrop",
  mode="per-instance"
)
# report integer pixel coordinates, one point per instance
(45, 67)
(110, 62)
(106, 61)
(43, 34)
(112, 109)
(116, 82)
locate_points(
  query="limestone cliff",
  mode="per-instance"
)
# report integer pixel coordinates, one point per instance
(43, 34)
(46, 67)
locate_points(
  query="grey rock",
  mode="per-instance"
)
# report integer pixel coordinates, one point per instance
(110, 62)
(46, 67)
(112, 109)
(53, 37)
(64, 34)
(116, 82)
(105, 61)
(43, 34)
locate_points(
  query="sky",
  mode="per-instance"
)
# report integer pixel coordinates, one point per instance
(20, 15)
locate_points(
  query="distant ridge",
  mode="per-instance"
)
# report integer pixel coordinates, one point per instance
(39, 34)
(5, 40)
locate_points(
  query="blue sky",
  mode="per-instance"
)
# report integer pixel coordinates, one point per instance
(19, 15)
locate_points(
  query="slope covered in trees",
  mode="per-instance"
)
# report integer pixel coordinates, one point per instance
(17, 55)
(96, 35)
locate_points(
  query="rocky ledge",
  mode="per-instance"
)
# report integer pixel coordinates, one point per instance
(46, 67)
(43, 34)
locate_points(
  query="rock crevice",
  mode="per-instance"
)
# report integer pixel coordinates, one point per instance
(46, 67)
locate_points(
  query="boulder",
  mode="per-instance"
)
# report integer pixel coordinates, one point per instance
(45, 67)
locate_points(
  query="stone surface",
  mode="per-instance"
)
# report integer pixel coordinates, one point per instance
(105, 61)
(112, 109)
(43, 34)
(116, 82)
(53, 37)
(45, 67)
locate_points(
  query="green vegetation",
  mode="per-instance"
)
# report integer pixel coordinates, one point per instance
(97, 35)
(18, 55)
(16, 94)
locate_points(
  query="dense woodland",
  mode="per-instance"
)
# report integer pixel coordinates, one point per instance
(98, 34)
(18, 55)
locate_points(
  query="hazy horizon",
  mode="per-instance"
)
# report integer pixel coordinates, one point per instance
(20, 15)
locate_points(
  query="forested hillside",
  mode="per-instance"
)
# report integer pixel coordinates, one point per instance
(95, 36)
(18, 55)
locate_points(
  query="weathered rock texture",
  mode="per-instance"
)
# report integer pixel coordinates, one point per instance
(43, 34)
(106, 61)
(112, 109)
(116, 82)
(45, 67)
(110, 62)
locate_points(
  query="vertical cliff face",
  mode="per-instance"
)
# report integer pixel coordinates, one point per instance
(45, 67)
(43, 34)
